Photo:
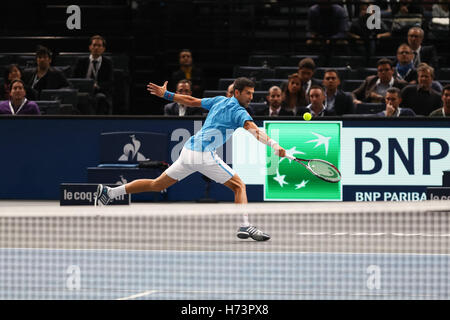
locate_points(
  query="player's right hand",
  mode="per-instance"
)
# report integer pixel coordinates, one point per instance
(157, 90)
(279, 151)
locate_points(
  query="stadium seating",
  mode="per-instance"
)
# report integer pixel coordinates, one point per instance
(214, 93)
(67, 97)
(369, 108)
(49, 107)
(350, 84)
(253, 72)
(283, 72)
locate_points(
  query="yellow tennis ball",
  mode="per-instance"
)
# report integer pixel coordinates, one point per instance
(307, 116)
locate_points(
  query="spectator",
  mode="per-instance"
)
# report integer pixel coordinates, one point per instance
(18, 104)
(373, 89)
(13, 72)
(336, 100)
(44, 76)
(445, 110)
(421, 53)
(441, 10)
(189, 71)
(421, 97)
(306, 68)
(326, 22)
(393, 100)
(99, 68)
(293, 97)
(406, 7)
(274, 108)
(230, 93)
(439, 26)
(404, 69)
(177, 109)
(363, 35)
(316, 107)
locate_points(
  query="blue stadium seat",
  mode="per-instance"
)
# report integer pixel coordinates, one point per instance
(350, 84)
(266, 84)
(283, 72)
(213, 93)
(82, 84)
(49, 107)
(67, 97)
(253, 72)
(369, 108)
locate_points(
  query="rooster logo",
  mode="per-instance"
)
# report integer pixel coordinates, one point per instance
(131, 151)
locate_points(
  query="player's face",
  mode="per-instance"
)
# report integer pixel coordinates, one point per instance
(446, 99)
(425, 79)
(393, 99)
(274, 98)
(17, 91)
(245, 96)
(97, 48)
(331, 81)
(316, 97)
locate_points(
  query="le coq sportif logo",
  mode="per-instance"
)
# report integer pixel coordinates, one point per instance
(131, 151)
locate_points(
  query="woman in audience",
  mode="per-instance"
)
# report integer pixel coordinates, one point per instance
(13, 72)
(293, 96)
(17, 103)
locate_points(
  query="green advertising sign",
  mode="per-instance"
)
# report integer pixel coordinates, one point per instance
(287, 180)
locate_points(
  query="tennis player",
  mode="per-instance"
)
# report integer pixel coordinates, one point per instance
(199, 152)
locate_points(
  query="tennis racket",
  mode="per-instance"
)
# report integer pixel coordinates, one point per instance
(320, 168)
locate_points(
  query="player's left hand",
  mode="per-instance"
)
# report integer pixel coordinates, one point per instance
(157, 90)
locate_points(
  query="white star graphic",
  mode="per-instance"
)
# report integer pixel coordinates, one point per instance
(280, 179)
(320, 140)
(301, 185)
(291, 152)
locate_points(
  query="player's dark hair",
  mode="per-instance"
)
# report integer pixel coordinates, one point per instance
(241, 83)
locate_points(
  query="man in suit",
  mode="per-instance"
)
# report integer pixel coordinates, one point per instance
(336, 100)
(99, 68)
(176, 109)
(274, 108)
(373, 89)
(393, 100)
(317, 106)
(422, 98)
(187, 70)
(421, 53)
(306, 68)
(44, 76)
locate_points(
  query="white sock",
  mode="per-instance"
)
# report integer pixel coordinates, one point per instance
(245, 223)
(117, 191)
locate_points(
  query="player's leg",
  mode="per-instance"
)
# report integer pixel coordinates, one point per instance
(105, 193)
(238, 187)
(216, 169)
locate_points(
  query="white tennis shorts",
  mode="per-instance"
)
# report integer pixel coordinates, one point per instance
(207, 163)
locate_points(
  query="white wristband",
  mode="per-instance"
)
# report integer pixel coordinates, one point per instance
(271, 143)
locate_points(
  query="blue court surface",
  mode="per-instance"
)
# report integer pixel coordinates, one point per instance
(174, 252)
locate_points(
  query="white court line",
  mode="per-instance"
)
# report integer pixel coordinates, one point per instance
(372, 234)
(138, 295)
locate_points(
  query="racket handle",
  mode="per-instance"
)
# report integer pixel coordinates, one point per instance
(289, 157)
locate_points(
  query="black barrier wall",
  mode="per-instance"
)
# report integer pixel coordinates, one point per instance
(379, 159)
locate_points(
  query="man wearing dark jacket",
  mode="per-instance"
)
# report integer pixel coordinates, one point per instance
(178, 109)
(99, 68)
(44, 76)
(274, 108)
(336, 100)
(374, 88)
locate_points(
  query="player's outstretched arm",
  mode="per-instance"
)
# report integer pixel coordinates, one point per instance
(262, 137)
(180, 98)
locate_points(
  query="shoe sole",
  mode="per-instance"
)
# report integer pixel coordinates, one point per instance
(242, 235)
